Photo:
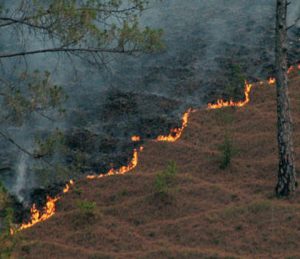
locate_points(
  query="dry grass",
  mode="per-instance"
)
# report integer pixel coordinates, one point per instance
(214, 213)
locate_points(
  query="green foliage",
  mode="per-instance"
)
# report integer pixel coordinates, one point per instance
(165, 181)
(227, 151)
(47, 146)
(31, 93)
(86, 207)
(102, 25)
(7, 242)
(88, 29)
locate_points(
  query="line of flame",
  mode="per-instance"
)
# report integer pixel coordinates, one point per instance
(41, 215)
(248, 87)
(122, 170)
(176, 133)
(50, 208)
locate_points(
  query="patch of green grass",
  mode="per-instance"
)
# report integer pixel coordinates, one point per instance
(7, 241)
(86, 207)
(165, 181)
(227, 151)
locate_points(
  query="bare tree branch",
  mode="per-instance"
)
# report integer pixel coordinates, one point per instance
(62, 49)
(294, 24)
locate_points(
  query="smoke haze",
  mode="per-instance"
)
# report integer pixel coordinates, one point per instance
(203, 39)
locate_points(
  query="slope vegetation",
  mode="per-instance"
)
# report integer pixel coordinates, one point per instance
(211, 213)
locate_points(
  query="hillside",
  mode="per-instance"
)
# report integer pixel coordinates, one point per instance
(213, 213)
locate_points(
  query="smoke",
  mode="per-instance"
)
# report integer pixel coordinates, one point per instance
(294, 13)
(23, 180)
(203, 39)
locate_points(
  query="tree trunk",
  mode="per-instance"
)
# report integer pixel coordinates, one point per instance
(286, 171)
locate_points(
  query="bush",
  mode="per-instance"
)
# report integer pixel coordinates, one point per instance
(86, 207)
(7, 241)
(165, 181)
(227, 152)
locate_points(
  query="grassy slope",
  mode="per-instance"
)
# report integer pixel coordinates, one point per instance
(214, 213)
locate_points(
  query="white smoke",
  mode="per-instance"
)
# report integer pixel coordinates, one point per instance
(21, 177)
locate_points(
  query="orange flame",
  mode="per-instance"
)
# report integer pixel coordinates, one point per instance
(39, 216)
(49, 209)
(47, 212)
(68, 185)
(221, 103)
(122, 170)
(176, 133)
(272, 81)
(135, 138)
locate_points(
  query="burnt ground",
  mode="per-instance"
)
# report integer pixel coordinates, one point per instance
(210, 213)
(210, 50)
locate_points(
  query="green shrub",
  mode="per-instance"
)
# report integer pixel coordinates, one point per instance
(227, 151)
(7, 241)
(86, 207)
(165, 181)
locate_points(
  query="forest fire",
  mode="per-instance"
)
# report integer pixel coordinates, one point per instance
(39, 216)
(221, 103)
(176, 133)
(44, 214)
(50, 208)
(122, 170)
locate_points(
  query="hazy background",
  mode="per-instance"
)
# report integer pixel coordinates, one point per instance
(203, 39)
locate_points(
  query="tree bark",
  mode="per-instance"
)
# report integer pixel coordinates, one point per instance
(286, 172)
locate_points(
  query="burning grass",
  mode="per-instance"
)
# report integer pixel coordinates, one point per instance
(216, 213)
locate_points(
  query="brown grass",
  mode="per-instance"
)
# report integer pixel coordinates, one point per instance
(214, 213)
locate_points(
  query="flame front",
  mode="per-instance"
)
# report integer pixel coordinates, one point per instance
(39, 216)
(122, 170)
(47, 212)
(50, 208)
(221, 103)
(176, 133)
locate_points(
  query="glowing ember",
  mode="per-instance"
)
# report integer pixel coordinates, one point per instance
(136, 138)
(272, 80)
(176, 133)
(68, 185)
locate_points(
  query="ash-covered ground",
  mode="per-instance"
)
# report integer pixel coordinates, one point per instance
(207, 44)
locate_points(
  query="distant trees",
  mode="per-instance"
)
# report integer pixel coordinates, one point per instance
(286, 171)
